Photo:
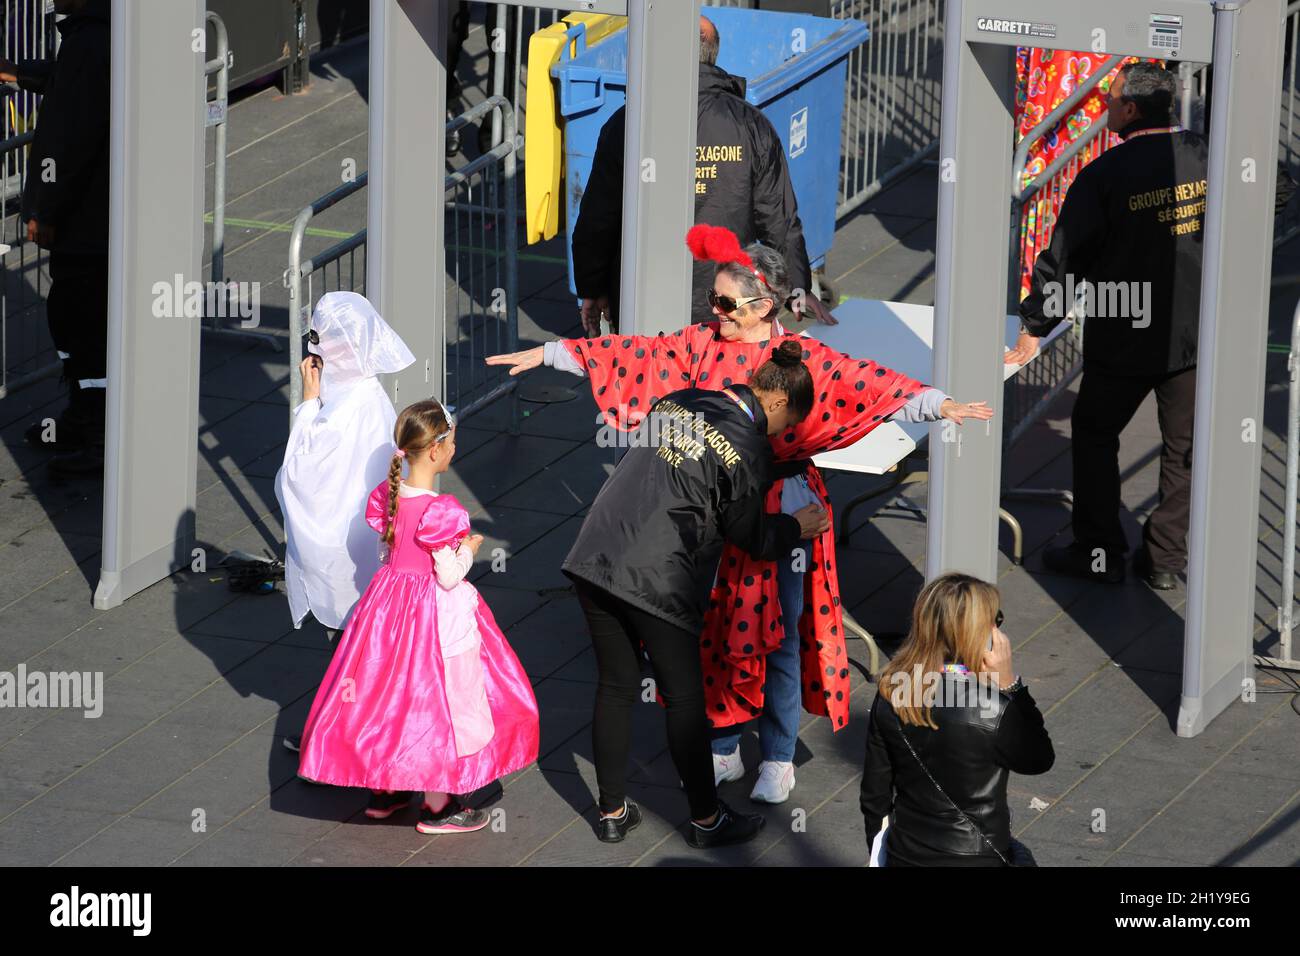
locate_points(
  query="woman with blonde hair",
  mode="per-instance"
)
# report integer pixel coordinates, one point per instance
(950, 721)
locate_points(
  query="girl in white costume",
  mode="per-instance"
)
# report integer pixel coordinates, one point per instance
(339, 449)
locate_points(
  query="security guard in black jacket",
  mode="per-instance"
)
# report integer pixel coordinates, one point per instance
(65, 210)
(697, 470)
(1126, 253)
(741, 182)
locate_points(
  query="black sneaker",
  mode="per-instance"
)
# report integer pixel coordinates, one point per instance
(453, 818)
(292, 743)
(730, 828)
(384, 805)
(1079, 561)
(1156, 580)
(614, 829)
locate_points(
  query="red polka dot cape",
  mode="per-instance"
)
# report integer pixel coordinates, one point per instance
(629, 373)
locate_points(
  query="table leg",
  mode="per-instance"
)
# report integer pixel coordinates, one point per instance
(873, 667)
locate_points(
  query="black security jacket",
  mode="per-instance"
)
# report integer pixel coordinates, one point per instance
(67, 179)
(969, 756)
(655, 532)
(741, 180)
(1134, 215)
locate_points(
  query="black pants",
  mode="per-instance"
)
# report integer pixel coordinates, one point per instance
(1105, 406)
(618, 631)
(77, 310)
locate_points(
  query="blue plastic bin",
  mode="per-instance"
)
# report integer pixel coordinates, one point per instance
(803, 96)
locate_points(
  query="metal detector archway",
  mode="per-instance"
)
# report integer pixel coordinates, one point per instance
(1243, 40)
(153, 360)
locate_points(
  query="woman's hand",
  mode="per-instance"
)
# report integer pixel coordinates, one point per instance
(959, 412)
(809, 306)
(1026, 348)
(310, 370)
(814, 521)
(593, 311)
(474, 542)
(997, 662)
(521, 361)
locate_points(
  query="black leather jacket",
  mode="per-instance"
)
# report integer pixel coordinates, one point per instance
(969, 756)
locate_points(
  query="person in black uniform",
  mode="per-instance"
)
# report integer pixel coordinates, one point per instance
(741, 182)
(1129, 235)
(697, 470)
(65, 207)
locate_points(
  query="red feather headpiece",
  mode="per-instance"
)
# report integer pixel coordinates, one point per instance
(719, 244)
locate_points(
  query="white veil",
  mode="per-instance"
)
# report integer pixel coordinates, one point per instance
(338, 450)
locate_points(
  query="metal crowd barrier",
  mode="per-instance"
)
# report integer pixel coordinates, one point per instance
(218, 111)
(891, 105)
(892, 93)
(481, 242)
(1286, 607)
(26, 353)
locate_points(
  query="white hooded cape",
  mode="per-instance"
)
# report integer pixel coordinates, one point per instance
(340, 448)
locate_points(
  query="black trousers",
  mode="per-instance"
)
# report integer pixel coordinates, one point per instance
(1105, 406)
(618, 630)
(77, 310)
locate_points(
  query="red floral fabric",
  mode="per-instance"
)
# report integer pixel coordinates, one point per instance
(743, 624)
(1043, 79)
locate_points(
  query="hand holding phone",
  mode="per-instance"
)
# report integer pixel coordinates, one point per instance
(997, 658)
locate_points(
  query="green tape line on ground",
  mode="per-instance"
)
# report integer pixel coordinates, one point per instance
(281, 227)
(339, 234)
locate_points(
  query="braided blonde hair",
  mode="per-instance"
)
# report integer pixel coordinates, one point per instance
(418, 428)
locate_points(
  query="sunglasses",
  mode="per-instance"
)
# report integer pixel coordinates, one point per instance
(726, 304)
(997, 621)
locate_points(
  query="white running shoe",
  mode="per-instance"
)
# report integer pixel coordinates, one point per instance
(775, 781)
(727, 767)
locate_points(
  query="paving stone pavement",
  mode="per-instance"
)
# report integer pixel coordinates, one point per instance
(186, 764)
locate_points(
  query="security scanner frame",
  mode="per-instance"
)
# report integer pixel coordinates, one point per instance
(153, 362)
(1243, 42)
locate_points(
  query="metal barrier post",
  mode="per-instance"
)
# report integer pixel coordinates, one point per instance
(300, 308)
(1286, 610)
(218, 112)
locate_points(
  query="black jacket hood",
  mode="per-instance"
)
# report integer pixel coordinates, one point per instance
(716, 80)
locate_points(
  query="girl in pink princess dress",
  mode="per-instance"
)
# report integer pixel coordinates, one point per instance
(424, 692)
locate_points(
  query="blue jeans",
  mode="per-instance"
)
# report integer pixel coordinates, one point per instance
(778, 727)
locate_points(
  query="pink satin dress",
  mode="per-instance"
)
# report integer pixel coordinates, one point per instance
(424, 692)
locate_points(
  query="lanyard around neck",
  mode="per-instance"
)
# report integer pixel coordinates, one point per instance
(737, 399)
(1152, 131)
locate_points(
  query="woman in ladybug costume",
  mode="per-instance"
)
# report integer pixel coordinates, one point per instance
(773, 635)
